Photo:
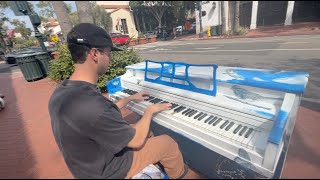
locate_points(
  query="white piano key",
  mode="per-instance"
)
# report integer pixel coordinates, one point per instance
(259, 141)
(247, 140)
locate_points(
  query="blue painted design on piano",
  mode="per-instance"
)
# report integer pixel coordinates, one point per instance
(293, 82)
(276, 134)
(265, 114)
(114, 85)
(168, 70)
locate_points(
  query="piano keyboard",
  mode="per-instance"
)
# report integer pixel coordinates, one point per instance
(246, 135)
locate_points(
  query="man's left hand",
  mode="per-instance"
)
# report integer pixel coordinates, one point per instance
(140, 96)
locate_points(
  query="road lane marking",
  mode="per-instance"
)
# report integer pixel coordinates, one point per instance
(242, 50)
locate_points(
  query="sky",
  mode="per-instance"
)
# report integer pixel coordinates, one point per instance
(9, 13)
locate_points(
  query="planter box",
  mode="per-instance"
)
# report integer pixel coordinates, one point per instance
(132, 43)
(153, 39)
(142, 41)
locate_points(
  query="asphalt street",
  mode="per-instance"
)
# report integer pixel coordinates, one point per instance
(291, 53)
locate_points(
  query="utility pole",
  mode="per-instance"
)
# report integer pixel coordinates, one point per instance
(200, 15)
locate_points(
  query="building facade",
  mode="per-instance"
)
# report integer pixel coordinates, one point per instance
(253, 14)
(121, 15)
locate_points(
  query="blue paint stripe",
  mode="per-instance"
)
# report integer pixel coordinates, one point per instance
(278, 128)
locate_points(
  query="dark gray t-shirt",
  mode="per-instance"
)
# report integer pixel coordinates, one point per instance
(90, 131)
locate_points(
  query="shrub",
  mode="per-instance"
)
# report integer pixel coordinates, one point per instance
(63, 67)
(119, 60)
(241, 31)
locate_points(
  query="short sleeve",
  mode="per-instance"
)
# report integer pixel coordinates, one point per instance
(111, 131)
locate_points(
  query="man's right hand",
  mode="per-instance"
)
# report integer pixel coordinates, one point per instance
(155, 108)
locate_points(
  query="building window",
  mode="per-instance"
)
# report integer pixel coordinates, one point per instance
(124, 26)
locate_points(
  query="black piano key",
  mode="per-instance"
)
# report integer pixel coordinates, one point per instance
(211, 121)
(149, 98)
(224, 124)
(178, 109)
(248, 133)
(203, 116)
(184, 112)
(193, 113)
(189, 112)
(181, 109)
(174, 106)
(208, 119)
(164, 102)
(243, 130)
(237, 129)
(229, 126)
(198, 115)
(215, 123)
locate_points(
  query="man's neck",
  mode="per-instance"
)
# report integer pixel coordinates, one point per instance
(82, 73)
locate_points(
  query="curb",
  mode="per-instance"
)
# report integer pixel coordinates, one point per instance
(253, 36)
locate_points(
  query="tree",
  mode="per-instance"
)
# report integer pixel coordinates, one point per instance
(101, 17)
(21, 28)
(61, 12)
(157, 9)
(74, 18)
(223, 17)
(136, 6)
(236, 16)
(46, 9)
(84, 11)
(3, 19)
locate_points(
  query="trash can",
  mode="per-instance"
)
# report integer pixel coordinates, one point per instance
(29, 67)
(213, 30)
(43, 59)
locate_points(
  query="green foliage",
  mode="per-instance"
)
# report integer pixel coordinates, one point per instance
(241, 31)
(21, 28)
(119, 60)
(63, 67)
(101, 17)
(46, 9)
(22, 43)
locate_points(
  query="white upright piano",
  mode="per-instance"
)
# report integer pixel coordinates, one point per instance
(245, 117)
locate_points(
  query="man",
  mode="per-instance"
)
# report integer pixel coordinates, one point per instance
(90, 132)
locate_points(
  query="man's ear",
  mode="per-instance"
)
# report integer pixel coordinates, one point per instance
(93, 54)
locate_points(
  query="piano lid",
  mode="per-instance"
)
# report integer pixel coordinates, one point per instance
(286, 81)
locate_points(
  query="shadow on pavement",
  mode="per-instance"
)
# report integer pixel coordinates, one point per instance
(16, 157)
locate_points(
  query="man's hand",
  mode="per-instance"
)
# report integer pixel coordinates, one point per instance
(140, 96)
(155, 108)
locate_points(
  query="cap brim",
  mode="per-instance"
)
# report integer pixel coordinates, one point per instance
(116, 49)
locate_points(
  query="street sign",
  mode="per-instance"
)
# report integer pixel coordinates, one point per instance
(54, 38)
(20, 8)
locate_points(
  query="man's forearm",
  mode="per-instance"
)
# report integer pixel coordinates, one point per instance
(123, 102)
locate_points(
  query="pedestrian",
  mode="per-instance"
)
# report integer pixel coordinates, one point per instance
(94, 139)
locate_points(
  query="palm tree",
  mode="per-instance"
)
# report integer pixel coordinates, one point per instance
(61, 11)
(84, 9)
(236, 16)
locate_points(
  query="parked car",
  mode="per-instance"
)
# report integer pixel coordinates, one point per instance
(120, 39)
(115, 34)
(11, 58)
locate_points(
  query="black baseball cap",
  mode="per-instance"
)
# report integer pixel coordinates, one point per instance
(90, 35)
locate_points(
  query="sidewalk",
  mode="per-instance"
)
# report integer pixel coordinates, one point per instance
(308, 28)
(28, 149)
